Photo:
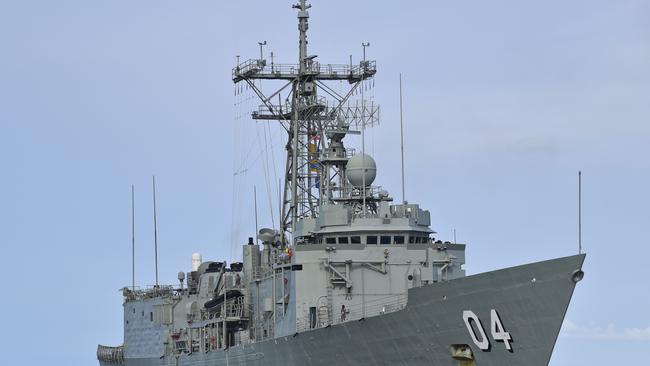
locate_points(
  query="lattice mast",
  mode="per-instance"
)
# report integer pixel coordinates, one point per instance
(315, 126)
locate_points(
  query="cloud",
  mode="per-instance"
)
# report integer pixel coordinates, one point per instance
(611, 332)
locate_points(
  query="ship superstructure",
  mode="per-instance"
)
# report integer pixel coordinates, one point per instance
(350, 276)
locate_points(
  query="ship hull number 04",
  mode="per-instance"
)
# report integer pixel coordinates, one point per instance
(481, 340)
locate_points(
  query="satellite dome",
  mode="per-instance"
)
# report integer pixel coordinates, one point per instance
(360, 166)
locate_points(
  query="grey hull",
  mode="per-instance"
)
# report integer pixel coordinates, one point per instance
(531, 301)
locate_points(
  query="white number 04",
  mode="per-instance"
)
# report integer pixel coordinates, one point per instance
(496, 326)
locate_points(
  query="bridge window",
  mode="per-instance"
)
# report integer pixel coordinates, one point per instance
(355, 239)
(371, 239)
(330, 240)
(343, 240)
(399, 239)
(384, 239)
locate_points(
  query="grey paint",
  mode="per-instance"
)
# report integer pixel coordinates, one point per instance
(405, 301)
(421, 334)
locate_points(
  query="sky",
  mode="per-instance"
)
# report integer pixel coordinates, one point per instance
(504, 101)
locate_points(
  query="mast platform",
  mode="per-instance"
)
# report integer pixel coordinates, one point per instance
(257, 69)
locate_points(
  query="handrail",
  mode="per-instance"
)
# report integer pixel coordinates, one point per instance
(235, 308)
(147, 292)
(259, 67)
(371, 308)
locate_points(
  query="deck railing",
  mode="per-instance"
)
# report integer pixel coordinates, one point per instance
(260, 69)
(148, 292)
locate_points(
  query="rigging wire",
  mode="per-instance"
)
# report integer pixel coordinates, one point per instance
(240, 155)
(275, 169)
(267, 176)
(246, 156)
(265, 168)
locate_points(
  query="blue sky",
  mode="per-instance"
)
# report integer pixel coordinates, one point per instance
(504, 102)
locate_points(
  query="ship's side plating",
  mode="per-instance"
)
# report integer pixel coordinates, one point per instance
(530, 300)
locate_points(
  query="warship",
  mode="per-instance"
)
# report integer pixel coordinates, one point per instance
(349, 277)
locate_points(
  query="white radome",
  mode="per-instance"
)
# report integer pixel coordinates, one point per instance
(358, 166)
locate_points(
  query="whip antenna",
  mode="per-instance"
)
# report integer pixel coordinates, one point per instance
(579, 212)
(401, 130)
(155, 228)
(363, 130)
(132, 237)
(255, 202)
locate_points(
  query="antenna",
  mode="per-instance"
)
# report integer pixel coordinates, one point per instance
(401, 130)
(579, 212)
(132, 237)
(365, 44)
(272, 66)
(363, 130)
(155, 228)
(255, 202)
(261, 44)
